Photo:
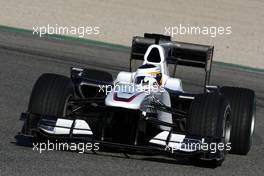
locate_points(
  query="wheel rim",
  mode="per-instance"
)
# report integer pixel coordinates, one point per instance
(227, 125)
(227, 131)
(252, 125)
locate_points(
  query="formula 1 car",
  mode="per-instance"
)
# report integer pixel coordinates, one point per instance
(145, 111)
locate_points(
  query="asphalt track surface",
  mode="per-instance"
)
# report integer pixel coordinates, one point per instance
(24, 58)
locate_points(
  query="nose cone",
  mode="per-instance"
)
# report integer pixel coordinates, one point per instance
(125, 96)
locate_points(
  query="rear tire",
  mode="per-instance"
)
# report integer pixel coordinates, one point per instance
(210, 116)
(243, 105)
(50, 95)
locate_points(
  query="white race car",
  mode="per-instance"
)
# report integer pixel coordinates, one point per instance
(147, 110)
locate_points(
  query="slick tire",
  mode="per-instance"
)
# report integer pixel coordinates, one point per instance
(50, 95)
(210, 116)
(243, 105)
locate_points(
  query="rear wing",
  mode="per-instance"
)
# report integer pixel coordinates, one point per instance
(178, 53)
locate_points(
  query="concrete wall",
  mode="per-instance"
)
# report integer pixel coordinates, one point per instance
(120, 20)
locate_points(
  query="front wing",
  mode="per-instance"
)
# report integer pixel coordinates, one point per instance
(166, 143)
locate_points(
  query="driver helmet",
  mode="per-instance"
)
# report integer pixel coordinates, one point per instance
(148, 74)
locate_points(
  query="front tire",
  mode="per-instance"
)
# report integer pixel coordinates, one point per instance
(210, 117)
(243, 104)
(50, 95)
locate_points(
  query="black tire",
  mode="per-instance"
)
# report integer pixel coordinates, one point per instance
(210, 116)
(243, 105)
(50, 95)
